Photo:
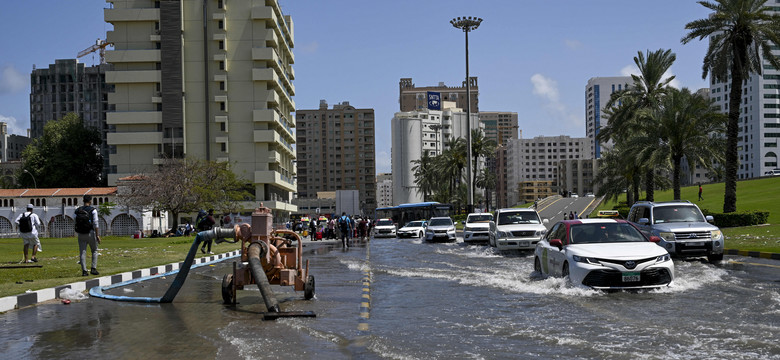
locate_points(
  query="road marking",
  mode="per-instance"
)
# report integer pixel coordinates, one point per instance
(586, 208)
(542, 209)
(756, 264)
(365, 297)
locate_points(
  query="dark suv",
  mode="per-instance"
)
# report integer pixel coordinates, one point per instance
(683, 229)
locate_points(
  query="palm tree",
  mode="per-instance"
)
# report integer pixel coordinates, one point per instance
(741, 33)
(486, 180)
(689, 127)
(646, 92)
(480, 147)
(424, 175)
(616, 174)
(452, 162)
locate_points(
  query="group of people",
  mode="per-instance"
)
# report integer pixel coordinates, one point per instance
(86, 227)
(344, 227)
(571, 216)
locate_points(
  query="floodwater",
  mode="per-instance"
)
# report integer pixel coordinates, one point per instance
(407, 299)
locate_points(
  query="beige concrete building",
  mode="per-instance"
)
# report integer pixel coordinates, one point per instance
(412, 98)
(577, 176)
(500, 126)
(336, 151)
(384, 190)
(529, 191)
(211, 82)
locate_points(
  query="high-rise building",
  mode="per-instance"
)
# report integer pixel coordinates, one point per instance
(11, 145)
(384, 190)
(425, 131)
(537, 159)
(205, 79)
(759, 119)
(500, 126)
(68, 86)
(597, 94)
(413, 98)
(336, 151)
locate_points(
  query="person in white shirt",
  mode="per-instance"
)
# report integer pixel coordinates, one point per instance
(28, 224)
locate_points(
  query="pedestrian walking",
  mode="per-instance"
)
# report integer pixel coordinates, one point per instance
(187, 228)
(332, 228)
(700, 198)
(312, 228)
(88, 231)
(571, 215)
(576, 216)
(27, 223)
(344, 228)
(206, 223)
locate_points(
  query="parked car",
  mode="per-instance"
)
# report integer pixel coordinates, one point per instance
(476, 228)
(683, 229)
(590, 195)
(440, 229)
(413, 229)
(603, 254)
(384, 228)
(774, 172)
(516, 229)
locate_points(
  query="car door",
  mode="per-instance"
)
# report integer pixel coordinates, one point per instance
(547, 257)
(556, 257)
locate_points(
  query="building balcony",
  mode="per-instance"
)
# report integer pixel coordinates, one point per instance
(275, 178)
(133, 117)
(274, 157)
(134, 138)
(273, 116)
(132, 56)
(119, 15)
(273, 137)
(128, 77)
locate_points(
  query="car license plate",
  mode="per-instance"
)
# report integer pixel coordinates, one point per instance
(630, 276)
(523, 243)
(694, 244)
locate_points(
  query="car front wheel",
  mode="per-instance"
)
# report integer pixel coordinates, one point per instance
(537, 265)
(715, 258)
(565, 270)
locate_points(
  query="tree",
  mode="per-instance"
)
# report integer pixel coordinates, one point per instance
(486, 180)
(67, 155)
(480, 147)
(688, 127)
(424, 175)
(184, 185)
(741, 33)
(647, 91)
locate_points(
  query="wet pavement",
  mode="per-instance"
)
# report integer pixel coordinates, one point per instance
(407, 299)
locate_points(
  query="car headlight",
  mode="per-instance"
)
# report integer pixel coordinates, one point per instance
(668, 236)
(540, 232)
(663, 258)
(587, 260)
(504, 234)
(451, 231)
(467, 229)
(716, 235)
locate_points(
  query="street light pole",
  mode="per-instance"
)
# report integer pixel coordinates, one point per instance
(467, 24)
(35, 183)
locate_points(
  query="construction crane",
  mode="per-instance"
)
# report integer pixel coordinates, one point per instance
(100, 47)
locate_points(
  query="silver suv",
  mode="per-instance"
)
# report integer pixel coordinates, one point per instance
(683, 229)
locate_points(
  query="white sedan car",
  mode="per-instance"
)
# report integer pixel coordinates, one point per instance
(413, 229)
(603, 254)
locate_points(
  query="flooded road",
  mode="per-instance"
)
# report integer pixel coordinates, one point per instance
(407, 299)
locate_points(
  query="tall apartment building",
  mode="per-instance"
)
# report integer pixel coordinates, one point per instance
(68, 86)
(500, 126)
(384, 190)
(537, 159)
(411, 97)
(336, 151)
(207, 79)
(578, 176)
(11, 145)
(759, 119)
(597, 93)
(425, 131)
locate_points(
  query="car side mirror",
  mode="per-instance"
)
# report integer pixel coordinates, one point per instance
(710, 219)
(545, 221)
(644, 221)
(463, 222)
(557, 243)
(655, 239)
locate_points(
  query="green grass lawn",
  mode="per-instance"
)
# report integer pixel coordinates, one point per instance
(60, 256)
(758, 194)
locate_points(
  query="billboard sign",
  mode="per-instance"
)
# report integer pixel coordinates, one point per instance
(434, 100)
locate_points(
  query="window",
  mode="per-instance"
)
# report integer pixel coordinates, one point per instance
(221, 24)
(220, 4)
(222, 106)
(222, 44)
(223, 146)
(222, 65)
(222, 85)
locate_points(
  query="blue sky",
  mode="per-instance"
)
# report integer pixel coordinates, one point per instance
(531, 57)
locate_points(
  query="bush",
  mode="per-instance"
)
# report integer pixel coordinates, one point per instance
(740, 218)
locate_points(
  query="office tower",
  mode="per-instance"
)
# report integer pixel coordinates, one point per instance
(597, 94)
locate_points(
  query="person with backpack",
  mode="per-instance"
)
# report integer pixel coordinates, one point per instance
(205, 223)
(88, 234)
(27, 223)
(344, 228)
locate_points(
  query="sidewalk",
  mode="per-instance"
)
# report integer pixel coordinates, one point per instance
(755, 254)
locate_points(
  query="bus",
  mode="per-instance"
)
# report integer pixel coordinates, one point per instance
(405, 213)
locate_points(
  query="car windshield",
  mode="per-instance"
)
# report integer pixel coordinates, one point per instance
(384, 223)
(524, 217)
(604, 233)
(440, 222)
(479, 218)
(414, 224)
(682, 213)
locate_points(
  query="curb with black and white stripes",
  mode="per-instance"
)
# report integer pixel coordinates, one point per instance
(34, 297)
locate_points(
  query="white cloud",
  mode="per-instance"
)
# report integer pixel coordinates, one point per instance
(629, 70)
(14, 126)
(547, 89)
(11, 80)
(572, 44)
(383, 162)
(309, 48)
